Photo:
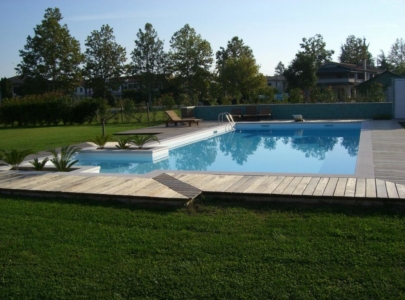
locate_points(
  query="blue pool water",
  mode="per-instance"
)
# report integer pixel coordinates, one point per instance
(316, 151)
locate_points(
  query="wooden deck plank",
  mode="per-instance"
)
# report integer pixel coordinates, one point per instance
(292, 186)
(221, 183)
(401, 190)
(301, 186)
(69, 183)
(309, 190)
(95, 185)
(330, 187)
(371, 191)
(264, 185)
(128, 183)
(273, 185)
(320, 187)
(231, 185)
(248, 183)
(254, 185)
(391, 190)
(381, 189)
(360, 188)
(283, 185)
(54, 184)
(340, 187)
(27, 182)
(129, 190)
(350, 187)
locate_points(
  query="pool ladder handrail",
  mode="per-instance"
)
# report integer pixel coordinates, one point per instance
(228, 117)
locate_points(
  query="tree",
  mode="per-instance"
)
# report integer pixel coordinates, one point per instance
(149, 59)
(105, 62)
(355, 51)
(190, 58)
(396, 57)
(301, 73)
(315, 48)
(383, 63)
(6, 89)
(52, 54)
(237, 71)
(279, 70)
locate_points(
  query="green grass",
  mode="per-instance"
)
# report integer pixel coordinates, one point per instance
(43, 138)
(54, 249)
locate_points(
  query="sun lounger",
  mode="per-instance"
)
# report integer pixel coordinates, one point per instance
(251, 112)
(236, 113)
(298, 118)
(265, 112)
(174, 118)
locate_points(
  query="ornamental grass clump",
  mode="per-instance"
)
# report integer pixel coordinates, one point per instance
(123, 142)
(141, 140)
(63, 161)
(39, 165)
(14, 157)
(100, 141)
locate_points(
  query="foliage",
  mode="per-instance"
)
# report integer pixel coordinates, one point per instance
(190, 58)
(323, 95)
(296, 96)
(104, 61)
(14, 157)
(238, 72)
(383, 63)
(49, 108)
(123, 142)
(301, 73)
(279, 70)
(354, 51)
(52, 54)
(100, 140)
(315, 48)
(168, 101)
(6, 88)
(148, 59)
(39, 165)
(376, 93)
(63, 161)
(141, 140)
(396, 57)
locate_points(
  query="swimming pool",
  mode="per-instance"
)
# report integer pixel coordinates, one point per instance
(322, 148)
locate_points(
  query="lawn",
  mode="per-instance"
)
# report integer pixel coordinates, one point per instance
(68, 249)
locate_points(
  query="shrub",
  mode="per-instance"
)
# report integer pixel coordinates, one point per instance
(100, 141)
(38, 166)
(14, 157)
(296, 96)
(63, 161)
(141, 140)
(123, 142)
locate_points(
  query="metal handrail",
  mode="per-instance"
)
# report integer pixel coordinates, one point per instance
(228, 117)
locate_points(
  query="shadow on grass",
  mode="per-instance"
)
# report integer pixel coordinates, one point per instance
(310, 208)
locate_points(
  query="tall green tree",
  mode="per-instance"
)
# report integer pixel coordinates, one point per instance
(6, 88)
(355, 51)
(301, 73)
(315, 48)
(105, 62)
(52, 54)
(237, 71)
(190, 59)
(383, 63)
(396, 57)
(279, 69)
(149, 59)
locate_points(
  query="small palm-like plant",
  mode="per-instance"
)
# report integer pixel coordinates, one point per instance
(123, 142)
(63, 161)
(14, 157)
(100, 141)
(39, 165)
(141, 140)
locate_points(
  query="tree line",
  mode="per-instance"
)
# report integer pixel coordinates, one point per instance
(52, 61)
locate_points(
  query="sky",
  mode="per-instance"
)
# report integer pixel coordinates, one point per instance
(273, 29)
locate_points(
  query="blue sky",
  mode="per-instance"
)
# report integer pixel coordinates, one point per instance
(273, 29)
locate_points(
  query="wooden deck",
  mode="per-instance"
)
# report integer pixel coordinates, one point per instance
(181, 189)
(174, 188)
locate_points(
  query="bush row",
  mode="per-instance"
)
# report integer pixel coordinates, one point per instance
(48, 109)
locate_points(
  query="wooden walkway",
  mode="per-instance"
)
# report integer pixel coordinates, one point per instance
(181, 189)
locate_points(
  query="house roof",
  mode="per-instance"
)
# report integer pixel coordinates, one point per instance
(383, 78)
(333, 67)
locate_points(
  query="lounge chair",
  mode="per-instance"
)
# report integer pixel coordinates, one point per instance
(265, 112)
(236, 113)
(298, 118)
(251, 112)
(174, 118)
